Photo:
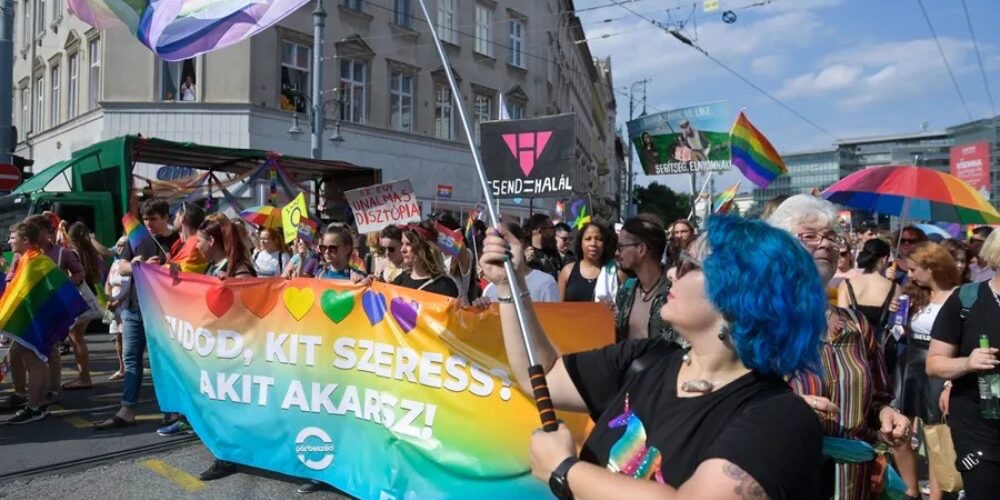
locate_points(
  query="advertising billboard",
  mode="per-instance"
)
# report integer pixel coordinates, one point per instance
(971, 163)
(685, 140)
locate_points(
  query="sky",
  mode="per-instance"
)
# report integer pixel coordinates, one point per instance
(854, 67)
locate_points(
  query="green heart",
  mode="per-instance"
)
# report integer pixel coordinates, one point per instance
(337, 305)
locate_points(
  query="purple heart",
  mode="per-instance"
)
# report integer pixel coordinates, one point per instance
(374, 306)
(405, 313)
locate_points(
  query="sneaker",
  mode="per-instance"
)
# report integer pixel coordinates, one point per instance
(178, 428)
(52, 397)
(311, 487)
(218, 470)
(13, 402)
(26, 414)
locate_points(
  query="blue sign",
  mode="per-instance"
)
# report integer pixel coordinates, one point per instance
(173, 172)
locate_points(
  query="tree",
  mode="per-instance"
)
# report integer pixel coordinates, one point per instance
(663, 202)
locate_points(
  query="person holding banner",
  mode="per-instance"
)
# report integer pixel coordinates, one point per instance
(305, 262)
(391, 244)
(336, 249)
(698, 423)
(425, 264)
(220, 242)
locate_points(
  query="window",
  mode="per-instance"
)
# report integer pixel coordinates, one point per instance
(515, 51)
(484, 30)
(401, 13)
(353, 92)
(177, 81)
(296, 60)
(74, 85)
(443, 124)
(55, 100)
(446, 21)
(515, 110)
(353, 4)
(57, 10)
(39, 103)
(401, 101)
(481, 106)
(25, 111)
(39, 17)
(94, 50)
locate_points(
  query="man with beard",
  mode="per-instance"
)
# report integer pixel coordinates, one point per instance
(692, 144)
(542, 253)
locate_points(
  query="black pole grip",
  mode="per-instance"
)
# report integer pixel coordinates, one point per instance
(540, 389)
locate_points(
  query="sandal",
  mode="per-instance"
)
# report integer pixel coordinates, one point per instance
(118, 375)
(115, 422)
(76, 385)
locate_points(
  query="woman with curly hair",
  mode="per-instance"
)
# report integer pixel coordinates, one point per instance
(963, 256)
(426, 270)
(675, 423)
(595, 276)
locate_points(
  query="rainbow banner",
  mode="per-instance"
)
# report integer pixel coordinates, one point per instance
(382, 392)
(753, 154)
(136, 231)
(40, 304)
(724, 201)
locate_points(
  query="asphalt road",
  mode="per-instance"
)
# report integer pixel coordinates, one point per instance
(62, 456)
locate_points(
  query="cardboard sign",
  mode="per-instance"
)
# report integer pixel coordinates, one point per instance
(530, 158)
(382, 205)
(292, 215)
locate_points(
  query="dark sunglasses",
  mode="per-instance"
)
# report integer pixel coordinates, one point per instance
(687, 264)
(329, 248)
(907, 241)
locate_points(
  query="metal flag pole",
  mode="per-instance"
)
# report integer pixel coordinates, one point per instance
(698, 195)
(535, 371)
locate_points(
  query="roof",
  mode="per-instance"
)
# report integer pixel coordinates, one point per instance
(892, 137)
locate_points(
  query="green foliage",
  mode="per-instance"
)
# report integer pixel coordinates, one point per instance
(663, 202)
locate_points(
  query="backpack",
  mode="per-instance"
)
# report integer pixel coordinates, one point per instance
(967, 295)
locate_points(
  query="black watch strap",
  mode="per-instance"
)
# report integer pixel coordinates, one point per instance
(558, 482)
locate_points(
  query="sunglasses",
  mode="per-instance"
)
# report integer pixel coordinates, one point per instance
(907, 241)
(329, 248)
(687, 264)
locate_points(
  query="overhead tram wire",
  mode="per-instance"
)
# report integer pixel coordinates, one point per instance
(687, 41)
(947, 65)
(979, 59)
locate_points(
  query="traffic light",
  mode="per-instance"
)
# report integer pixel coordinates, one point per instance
(24, 165)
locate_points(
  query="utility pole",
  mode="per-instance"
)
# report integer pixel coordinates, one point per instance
(318, 118)
(630, 182)
(7, 139)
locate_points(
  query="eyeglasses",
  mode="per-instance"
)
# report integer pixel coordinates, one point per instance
(389, 249)
(815, 238)
(907, 241)
(626, 245)
(687, 264)
(329, 248)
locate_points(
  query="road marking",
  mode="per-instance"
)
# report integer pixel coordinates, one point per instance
(185, 481)
(146, 418)
(75, 421)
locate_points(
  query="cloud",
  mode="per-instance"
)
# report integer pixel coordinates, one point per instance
(770, 65)
(836, 77)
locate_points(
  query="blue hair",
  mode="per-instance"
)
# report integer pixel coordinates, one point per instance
(767, 287)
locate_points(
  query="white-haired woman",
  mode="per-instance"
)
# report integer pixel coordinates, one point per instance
(955, 355)
(852, 394)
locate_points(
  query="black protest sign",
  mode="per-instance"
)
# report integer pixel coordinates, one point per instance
(529, 158)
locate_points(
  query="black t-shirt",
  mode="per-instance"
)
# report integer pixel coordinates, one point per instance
(443, 285)
(146, 250)
(983, 318)
(755, 422)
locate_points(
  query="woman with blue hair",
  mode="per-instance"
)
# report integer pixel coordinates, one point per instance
(715, 421)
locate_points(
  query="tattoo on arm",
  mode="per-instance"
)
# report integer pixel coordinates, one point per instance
(747, 487)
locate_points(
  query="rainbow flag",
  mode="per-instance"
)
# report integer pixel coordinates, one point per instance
(724, 201)
(136, 231)
(470, 227)
(357, 264)
(753, 154)
(450, 242)
(40, 304)
(189, 258)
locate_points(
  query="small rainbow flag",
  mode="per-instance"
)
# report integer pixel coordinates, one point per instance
(135, 230)
(470, 226)
(724, 201)
(753, 154)
(450, 242)
(357, 264)
(189, 258)
(40, 304)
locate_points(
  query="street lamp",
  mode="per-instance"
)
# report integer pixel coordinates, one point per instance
(315, 116)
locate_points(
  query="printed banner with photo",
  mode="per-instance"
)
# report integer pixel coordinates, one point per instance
(530, 158)
(383, 205)
(685, 140)
(382, 392)
(971, 163)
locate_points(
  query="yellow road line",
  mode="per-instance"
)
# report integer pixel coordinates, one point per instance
(146, 418)
(182, 479)
(75, 421)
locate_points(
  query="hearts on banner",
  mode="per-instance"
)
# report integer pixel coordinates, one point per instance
(405, 312)
(298, 301)
(337, 305)
(259, 300)
(374, 305)
(219, 300)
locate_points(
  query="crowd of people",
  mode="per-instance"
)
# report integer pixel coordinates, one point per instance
(838, 344)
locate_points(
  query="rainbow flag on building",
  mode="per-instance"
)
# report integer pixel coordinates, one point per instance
(135, 230)
(753, 154)
(724, 201)
(40, 304)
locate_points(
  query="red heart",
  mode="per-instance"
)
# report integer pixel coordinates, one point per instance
(219, 300)
(259, 300)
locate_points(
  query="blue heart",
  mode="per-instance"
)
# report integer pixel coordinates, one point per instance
(374, 305)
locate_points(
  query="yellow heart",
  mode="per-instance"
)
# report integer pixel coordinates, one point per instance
(298, 301)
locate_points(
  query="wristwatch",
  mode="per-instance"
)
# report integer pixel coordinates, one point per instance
(558, 483)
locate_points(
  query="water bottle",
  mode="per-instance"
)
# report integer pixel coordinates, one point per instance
(989, 388)
(902, 314)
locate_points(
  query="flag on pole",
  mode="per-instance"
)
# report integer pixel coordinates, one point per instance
(724, 201)
(135, 230)
(450, 242)
(40, 304)
(753, 154)
(188, 258)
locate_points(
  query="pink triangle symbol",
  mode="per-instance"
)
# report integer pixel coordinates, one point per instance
(541, 141)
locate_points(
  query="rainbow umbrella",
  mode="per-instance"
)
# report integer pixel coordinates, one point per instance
(913, 193)
(263, 216)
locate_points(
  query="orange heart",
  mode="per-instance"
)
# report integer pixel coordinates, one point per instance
(259, 300)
